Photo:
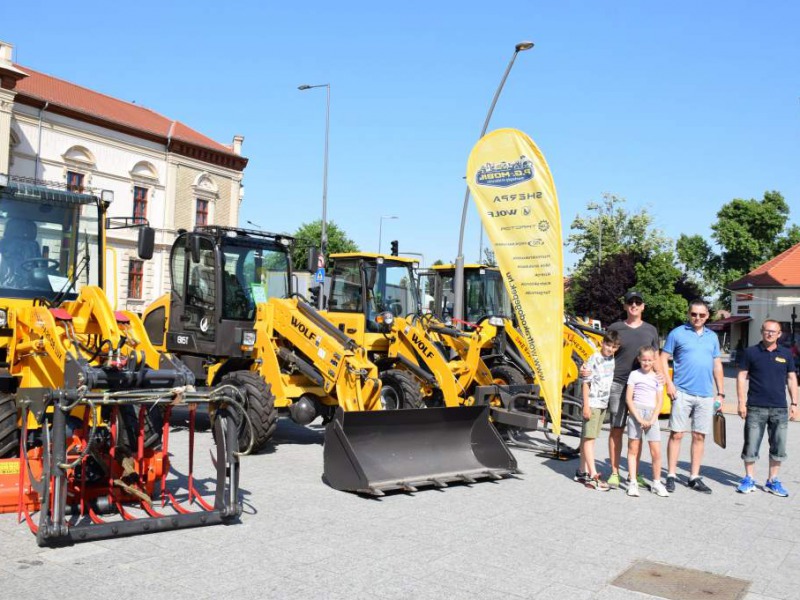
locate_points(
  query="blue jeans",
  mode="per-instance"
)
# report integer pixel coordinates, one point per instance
(776, 421)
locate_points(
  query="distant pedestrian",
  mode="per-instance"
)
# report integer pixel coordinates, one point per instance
(634, 333)
(596, 390)
(644, 396)
(770, 370)
(697, 370)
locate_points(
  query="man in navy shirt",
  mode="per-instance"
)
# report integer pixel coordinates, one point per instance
(697, 371)
(770, 370)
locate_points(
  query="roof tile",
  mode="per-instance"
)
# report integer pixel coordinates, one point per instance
(75, 97)
(781, 271)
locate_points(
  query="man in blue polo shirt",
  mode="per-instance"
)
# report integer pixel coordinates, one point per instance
(697, 369)
(770, 369)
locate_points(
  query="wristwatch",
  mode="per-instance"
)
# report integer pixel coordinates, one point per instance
(720, 394)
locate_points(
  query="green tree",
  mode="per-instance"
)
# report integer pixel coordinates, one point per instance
(608, 228)
(747, 233)
(308, 235)
(657, 278)
(634, 254)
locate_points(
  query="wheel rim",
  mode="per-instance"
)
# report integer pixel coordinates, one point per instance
(390, 399)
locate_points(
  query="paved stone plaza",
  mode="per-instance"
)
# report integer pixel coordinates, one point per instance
(539, 535)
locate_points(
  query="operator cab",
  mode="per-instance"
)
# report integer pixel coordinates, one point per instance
(373, 284)
(219, 275)
(484, 293)
(49, 241)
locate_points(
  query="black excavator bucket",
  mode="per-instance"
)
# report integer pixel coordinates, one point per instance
(372, 452)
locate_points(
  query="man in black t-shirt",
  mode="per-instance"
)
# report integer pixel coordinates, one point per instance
(633, 334)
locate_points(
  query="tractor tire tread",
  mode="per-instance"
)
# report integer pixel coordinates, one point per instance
(260, 406)
(9, 428)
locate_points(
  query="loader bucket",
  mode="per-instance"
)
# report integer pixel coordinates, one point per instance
(372, 452)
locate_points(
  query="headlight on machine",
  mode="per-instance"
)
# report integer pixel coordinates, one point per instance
(3, 317)
(385, 320)
(496, 321)
(249, 338)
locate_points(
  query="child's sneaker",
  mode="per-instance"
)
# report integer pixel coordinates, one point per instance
(659, 490)
(643, 485)
(747, 485)
(581, 476)
(773, 486)
(613, 481)
(596, 483)
(633, 489)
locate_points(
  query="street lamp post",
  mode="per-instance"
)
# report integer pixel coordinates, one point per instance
(380, 229)
(599, 210)
(323, 243)
(458, 278)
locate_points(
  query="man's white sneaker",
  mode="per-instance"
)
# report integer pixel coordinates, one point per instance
(659, 489)
(633, 489)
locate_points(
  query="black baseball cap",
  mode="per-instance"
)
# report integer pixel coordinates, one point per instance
(633, 294)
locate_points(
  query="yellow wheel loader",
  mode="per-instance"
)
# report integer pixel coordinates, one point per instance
(233, 318)
(84, 397)
(488, 312)
(374, 298)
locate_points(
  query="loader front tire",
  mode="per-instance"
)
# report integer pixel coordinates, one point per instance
(507, 375)
(9, 431)
(257, 399)
(400, 390)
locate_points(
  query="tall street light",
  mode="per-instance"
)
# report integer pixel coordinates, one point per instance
(458, 278)
(599, 210)
(323, 244)
(380, 230)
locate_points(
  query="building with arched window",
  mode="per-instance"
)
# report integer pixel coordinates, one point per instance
(161, 171)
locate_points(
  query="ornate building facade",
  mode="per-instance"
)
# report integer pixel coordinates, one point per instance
(161, 171)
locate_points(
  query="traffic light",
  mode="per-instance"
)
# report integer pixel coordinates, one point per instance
(395, 251)
(313, 295)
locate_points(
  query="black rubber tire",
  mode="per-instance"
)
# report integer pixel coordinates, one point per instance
(9, 430)
(259, 402)
(400, 390)
(507, 375)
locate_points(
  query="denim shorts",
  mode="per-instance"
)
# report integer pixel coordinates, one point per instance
(776, 421)
(691, 413)
(617, 407)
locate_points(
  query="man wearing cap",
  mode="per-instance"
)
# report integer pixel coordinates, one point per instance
(633, 334)
(697, 369)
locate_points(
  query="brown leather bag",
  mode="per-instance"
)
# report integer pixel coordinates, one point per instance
(720, 433)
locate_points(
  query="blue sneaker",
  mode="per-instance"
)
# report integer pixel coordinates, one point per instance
(773, 486)
(747, 485)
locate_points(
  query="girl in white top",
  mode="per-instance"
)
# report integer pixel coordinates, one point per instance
(644, 396)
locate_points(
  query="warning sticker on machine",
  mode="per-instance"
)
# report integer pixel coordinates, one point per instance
(10, 467)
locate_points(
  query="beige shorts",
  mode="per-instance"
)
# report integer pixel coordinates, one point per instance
(592, 426)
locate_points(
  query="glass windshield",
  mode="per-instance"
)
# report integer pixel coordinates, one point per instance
(252, 275)
(394, 289)
(43, 244)
(485, 295)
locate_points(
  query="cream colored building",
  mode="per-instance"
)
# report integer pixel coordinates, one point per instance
(771, 291)
(57, 133)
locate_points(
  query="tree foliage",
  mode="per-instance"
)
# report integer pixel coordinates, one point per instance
(747, 233)
(607, 229)
(308, 235)
(634, 255)
(598, 292)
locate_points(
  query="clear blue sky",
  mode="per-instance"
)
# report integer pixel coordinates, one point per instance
(678, 107)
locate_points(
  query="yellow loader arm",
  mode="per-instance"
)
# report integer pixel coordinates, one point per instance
(292, 331)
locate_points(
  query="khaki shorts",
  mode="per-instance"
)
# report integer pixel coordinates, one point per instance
(591, 428)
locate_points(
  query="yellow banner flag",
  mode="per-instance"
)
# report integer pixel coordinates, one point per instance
(513, 188)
